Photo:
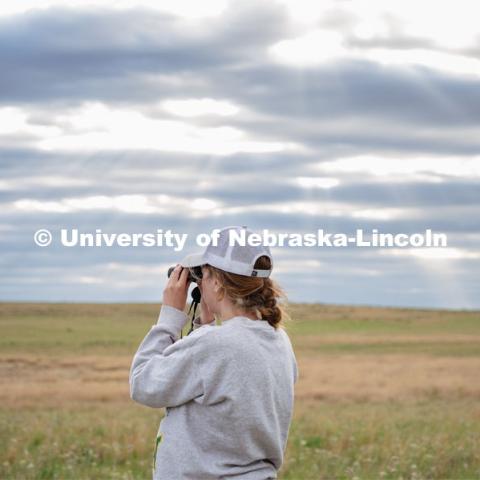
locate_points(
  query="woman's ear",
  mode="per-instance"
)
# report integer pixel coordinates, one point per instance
(205, 271)
(216, 288)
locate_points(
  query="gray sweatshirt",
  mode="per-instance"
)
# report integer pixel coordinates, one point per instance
(228, 392)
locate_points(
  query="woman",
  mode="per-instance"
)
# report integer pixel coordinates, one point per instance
(227, 389)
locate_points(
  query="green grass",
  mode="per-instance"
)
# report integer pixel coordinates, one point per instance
(436, 439)
(75, 328)
(117, 328)
(77, 443)
(328, 319)
(447, 349)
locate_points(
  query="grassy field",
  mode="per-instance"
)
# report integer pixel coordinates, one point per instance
(382, 394)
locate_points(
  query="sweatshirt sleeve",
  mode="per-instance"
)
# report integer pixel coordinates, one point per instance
(296, 371)
(164, 370)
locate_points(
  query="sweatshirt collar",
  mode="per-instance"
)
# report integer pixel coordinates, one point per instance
(248, 321)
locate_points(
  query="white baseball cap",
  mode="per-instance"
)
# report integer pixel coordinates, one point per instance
(236, 258)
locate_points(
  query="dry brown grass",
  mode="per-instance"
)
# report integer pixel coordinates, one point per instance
(386, 377)
(32, 380)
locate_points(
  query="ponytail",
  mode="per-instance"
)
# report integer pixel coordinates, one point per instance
(255, 293)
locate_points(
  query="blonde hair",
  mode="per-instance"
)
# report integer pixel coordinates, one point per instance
(254, 293)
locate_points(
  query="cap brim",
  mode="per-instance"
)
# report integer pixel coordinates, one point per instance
(193, 260)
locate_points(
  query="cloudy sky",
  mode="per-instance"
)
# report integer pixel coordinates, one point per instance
(290, 115)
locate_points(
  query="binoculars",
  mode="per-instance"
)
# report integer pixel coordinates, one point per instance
(194, 273)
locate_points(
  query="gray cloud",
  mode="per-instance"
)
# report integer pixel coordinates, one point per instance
(68, 56)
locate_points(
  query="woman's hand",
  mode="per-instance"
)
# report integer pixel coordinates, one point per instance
(175, 292)
(206, 316)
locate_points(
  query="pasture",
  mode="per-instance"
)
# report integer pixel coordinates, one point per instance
(383, 393)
